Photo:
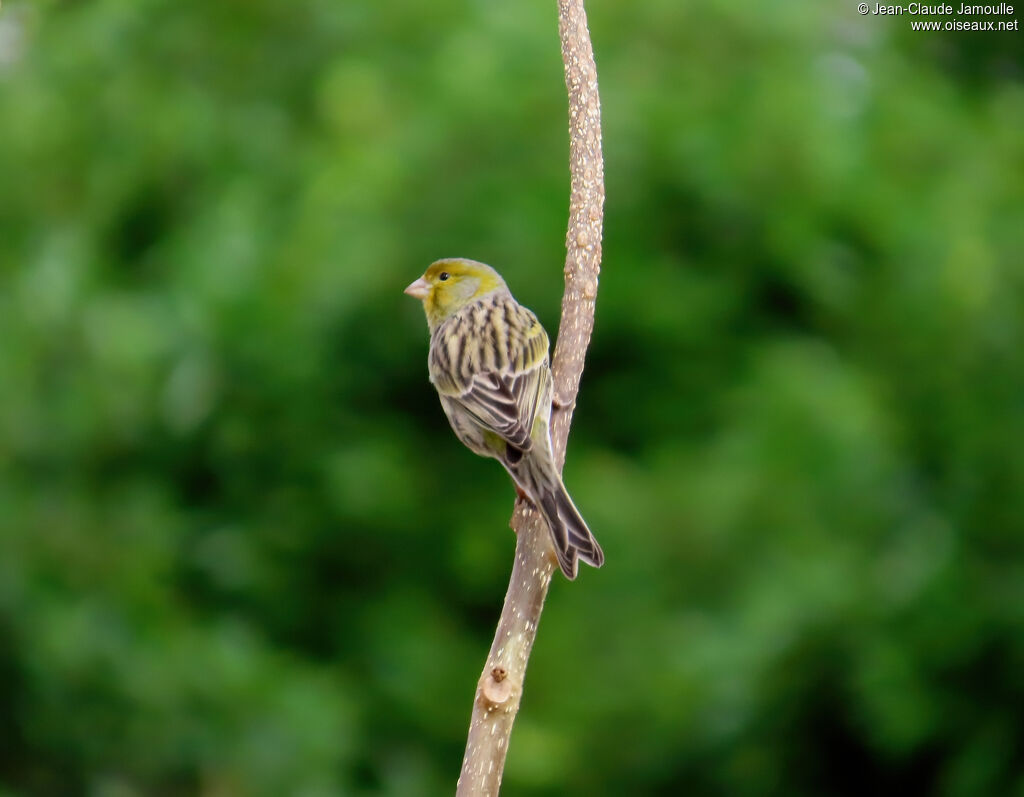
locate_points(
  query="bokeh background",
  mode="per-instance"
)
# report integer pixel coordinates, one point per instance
(241, 553)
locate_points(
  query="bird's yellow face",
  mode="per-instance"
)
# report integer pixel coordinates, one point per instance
(449, 285)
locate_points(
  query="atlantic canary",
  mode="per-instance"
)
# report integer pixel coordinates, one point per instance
(489, 362)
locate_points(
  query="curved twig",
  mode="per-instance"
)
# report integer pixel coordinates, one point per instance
(500, 687)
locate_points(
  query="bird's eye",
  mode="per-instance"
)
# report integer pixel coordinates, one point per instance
(443, 276)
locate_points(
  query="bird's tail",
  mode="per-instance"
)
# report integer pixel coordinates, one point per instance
(569, 531)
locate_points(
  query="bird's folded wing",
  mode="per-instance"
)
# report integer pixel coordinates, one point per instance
(504, 404)
(494, 365)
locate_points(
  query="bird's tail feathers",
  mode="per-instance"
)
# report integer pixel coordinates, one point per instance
(569, 531)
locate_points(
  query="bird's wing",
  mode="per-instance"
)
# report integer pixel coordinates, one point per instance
(503, 398)
(505, 405)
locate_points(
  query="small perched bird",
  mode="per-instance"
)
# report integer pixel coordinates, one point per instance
(489, 362)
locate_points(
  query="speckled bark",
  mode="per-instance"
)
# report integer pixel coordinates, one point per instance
(500, 687)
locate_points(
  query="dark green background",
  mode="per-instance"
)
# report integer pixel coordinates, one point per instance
(241, 552)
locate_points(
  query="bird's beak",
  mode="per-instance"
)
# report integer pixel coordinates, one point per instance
(420, 289)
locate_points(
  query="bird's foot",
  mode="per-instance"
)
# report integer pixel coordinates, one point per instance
(522, 502)
(559, 403)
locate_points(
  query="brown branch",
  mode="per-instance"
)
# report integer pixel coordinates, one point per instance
(500, 687)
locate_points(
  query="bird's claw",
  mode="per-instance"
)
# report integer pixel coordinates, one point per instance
(558, 403)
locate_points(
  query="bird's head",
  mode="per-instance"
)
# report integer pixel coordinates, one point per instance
(449, 285)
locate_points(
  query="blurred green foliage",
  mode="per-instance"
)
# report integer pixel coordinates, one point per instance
(240, 550)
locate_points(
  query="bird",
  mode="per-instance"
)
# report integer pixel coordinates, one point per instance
(489, 362)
